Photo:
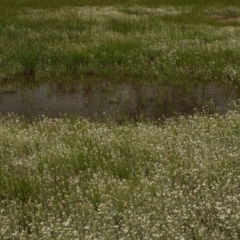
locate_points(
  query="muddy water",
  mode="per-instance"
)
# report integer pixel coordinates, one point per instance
(115, 101)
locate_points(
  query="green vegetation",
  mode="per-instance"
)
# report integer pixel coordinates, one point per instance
(73, 179)
(172, 43)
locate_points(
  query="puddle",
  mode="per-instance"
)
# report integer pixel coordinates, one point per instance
(115, 101)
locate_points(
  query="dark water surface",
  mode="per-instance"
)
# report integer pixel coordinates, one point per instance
(115, 101)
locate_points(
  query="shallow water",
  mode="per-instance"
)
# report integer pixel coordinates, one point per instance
(115, 101)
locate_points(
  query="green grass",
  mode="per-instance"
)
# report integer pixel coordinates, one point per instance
(75, 179)
(184, 41)
(71, 178)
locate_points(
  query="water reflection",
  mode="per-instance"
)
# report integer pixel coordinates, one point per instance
(113, 101)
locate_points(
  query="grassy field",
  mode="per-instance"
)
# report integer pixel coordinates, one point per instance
(74, 179)
(174, 43)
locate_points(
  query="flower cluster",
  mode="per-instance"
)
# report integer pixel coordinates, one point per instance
(75, 179)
